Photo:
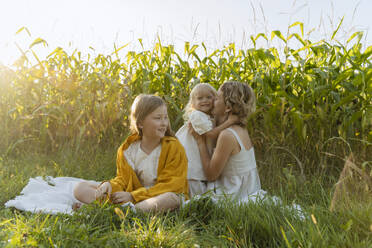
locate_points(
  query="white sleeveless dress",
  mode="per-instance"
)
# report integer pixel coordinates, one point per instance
(201, 123)
(239, 178)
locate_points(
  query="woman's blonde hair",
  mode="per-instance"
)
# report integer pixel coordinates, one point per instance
(190, 105)
(142, 106)
(240, 98)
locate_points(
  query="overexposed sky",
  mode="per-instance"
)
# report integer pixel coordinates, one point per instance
(80, 24)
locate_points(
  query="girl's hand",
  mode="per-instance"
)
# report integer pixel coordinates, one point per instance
(103, 190)
(121, 197)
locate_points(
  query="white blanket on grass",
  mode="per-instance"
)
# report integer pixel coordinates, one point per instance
(47, 195)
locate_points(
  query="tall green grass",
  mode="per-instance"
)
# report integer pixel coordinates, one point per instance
(310, 94)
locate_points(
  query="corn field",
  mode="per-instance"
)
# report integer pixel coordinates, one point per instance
(305, 96)
(66, 114)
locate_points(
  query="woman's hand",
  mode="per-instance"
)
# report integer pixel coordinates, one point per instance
(121, 197)
(103, 190)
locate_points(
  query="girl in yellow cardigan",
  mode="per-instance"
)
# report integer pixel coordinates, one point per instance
(151, 163)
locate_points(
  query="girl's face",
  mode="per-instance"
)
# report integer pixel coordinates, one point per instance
(155, 124)
(203, 100)
(219, 109)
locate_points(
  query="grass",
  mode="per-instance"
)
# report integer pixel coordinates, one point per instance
(200, 224)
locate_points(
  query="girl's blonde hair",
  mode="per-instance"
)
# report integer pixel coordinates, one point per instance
(240, 98)
(189, 107)
(142, 106)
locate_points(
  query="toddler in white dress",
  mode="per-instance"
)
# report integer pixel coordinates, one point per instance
(198, 113)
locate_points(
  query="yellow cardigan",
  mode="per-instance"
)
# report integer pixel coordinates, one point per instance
(172, 171)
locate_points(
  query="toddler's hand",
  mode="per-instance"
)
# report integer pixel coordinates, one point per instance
(233, 119)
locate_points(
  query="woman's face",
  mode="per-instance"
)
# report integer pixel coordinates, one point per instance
(219, 109)
(155, 124)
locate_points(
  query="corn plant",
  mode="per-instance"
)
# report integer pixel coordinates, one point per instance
(306, 94)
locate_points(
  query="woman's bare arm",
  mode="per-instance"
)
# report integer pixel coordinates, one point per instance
(214, 165)
(231, 120)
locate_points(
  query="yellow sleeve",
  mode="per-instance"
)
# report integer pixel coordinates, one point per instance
(172, 174)
(126, 179)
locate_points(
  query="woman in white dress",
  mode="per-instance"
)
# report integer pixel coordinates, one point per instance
(198, 114)
(231, 169)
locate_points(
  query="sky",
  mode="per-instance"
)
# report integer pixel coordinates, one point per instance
(94, 26)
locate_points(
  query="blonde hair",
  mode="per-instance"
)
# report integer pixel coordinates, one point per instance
(190, 105)
(240, 98)
(142, 106)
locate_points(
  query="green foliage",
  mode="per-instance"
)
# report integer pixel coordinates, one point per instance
(318, 91)
(95, 225)
(251, 225)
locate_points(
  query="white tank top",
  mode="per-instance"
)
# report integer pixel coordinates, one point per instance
(242, 162)
(239, 178)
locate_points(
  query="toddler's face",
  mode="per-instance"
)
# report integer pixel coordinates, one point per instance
(203, 101)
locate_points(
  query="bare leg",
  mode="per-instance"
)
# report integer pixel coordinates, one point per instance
(85, 192)
(160, 203)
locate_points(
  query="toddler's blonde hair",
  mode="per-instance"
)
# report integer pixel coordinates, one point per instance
(190, 105)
